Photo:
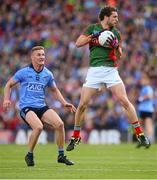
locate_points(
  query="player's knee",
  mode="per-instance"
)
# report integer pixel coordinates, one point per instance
(83, 106)
(60, 126)
(39, 127)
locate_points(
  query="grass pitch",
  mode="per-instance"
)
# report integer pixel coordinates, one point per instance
(91, 162)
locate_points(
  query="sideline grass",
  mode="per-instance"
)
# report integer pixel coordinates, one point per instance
(91, 162)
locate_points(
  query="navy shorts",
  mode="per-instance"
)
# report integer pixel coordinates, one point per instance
(38, 111)
(145, 115)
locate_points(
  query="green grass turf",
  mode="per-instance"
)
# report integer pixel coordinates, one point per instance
(91, 162)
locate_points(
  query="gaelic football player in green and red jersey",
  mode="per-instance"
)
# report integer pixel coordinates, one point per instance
(103, 70)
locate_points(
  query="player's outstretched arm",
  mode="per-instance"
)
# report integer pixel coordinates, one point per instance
(7, 92)
(60, 97)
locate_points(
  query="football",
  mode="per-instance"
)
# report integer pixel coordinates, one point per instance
(104, 36)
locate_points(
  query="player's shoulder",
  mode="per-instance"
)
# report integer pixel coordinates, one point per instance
(116, 31)
(47, 71)
(23, 69)
(95, 25)
(92, 28)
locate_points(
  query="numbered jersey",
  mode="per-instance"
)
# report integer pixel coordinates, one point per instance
(101, 56)
(32, 86)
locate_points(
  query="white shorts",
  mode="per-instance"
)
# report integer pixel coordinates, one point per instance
(98, 76)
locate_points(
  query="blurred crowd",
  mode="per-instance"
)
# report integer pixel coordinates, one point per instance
(56, 24)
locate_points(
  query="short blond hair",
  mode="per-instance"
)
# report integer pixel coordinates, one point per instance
(35, 48)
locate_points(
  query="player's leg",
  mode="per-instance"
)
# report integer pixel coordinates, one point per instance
(51, 117)
(36, 125)
(86, 95)
(119, 92)
(149, 129)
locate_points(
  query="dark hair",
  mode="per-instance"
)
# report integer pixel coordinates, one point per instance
(106, 11)
(37, 48)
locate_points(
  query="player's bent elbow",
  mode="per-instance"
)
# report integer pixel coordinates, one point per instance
(77, 44)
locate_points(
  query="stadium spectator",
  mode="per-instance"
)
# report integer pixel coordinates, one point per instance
(146, 106)
(33, 81)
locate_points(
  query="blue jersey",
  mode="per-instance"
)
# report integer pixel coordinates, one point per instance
(32, 86)
(146, 105)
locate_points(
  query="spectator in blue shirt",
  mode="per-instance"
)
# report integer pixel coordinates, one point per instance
(146, 105)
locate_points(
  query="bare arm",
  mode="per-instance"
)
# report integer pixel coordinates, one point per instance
(7, 92)
(119, 50)
(59, 96)
(83, 40)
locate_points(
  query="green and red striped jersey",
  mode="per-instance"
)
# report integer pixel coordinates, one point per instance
(101, 56)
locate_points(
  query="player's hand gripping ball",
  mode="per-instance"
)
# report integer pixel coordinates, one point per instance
(105, 37)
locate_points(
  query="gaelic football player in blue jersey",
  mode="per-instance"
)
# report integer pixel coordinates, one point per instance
(33, 80)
